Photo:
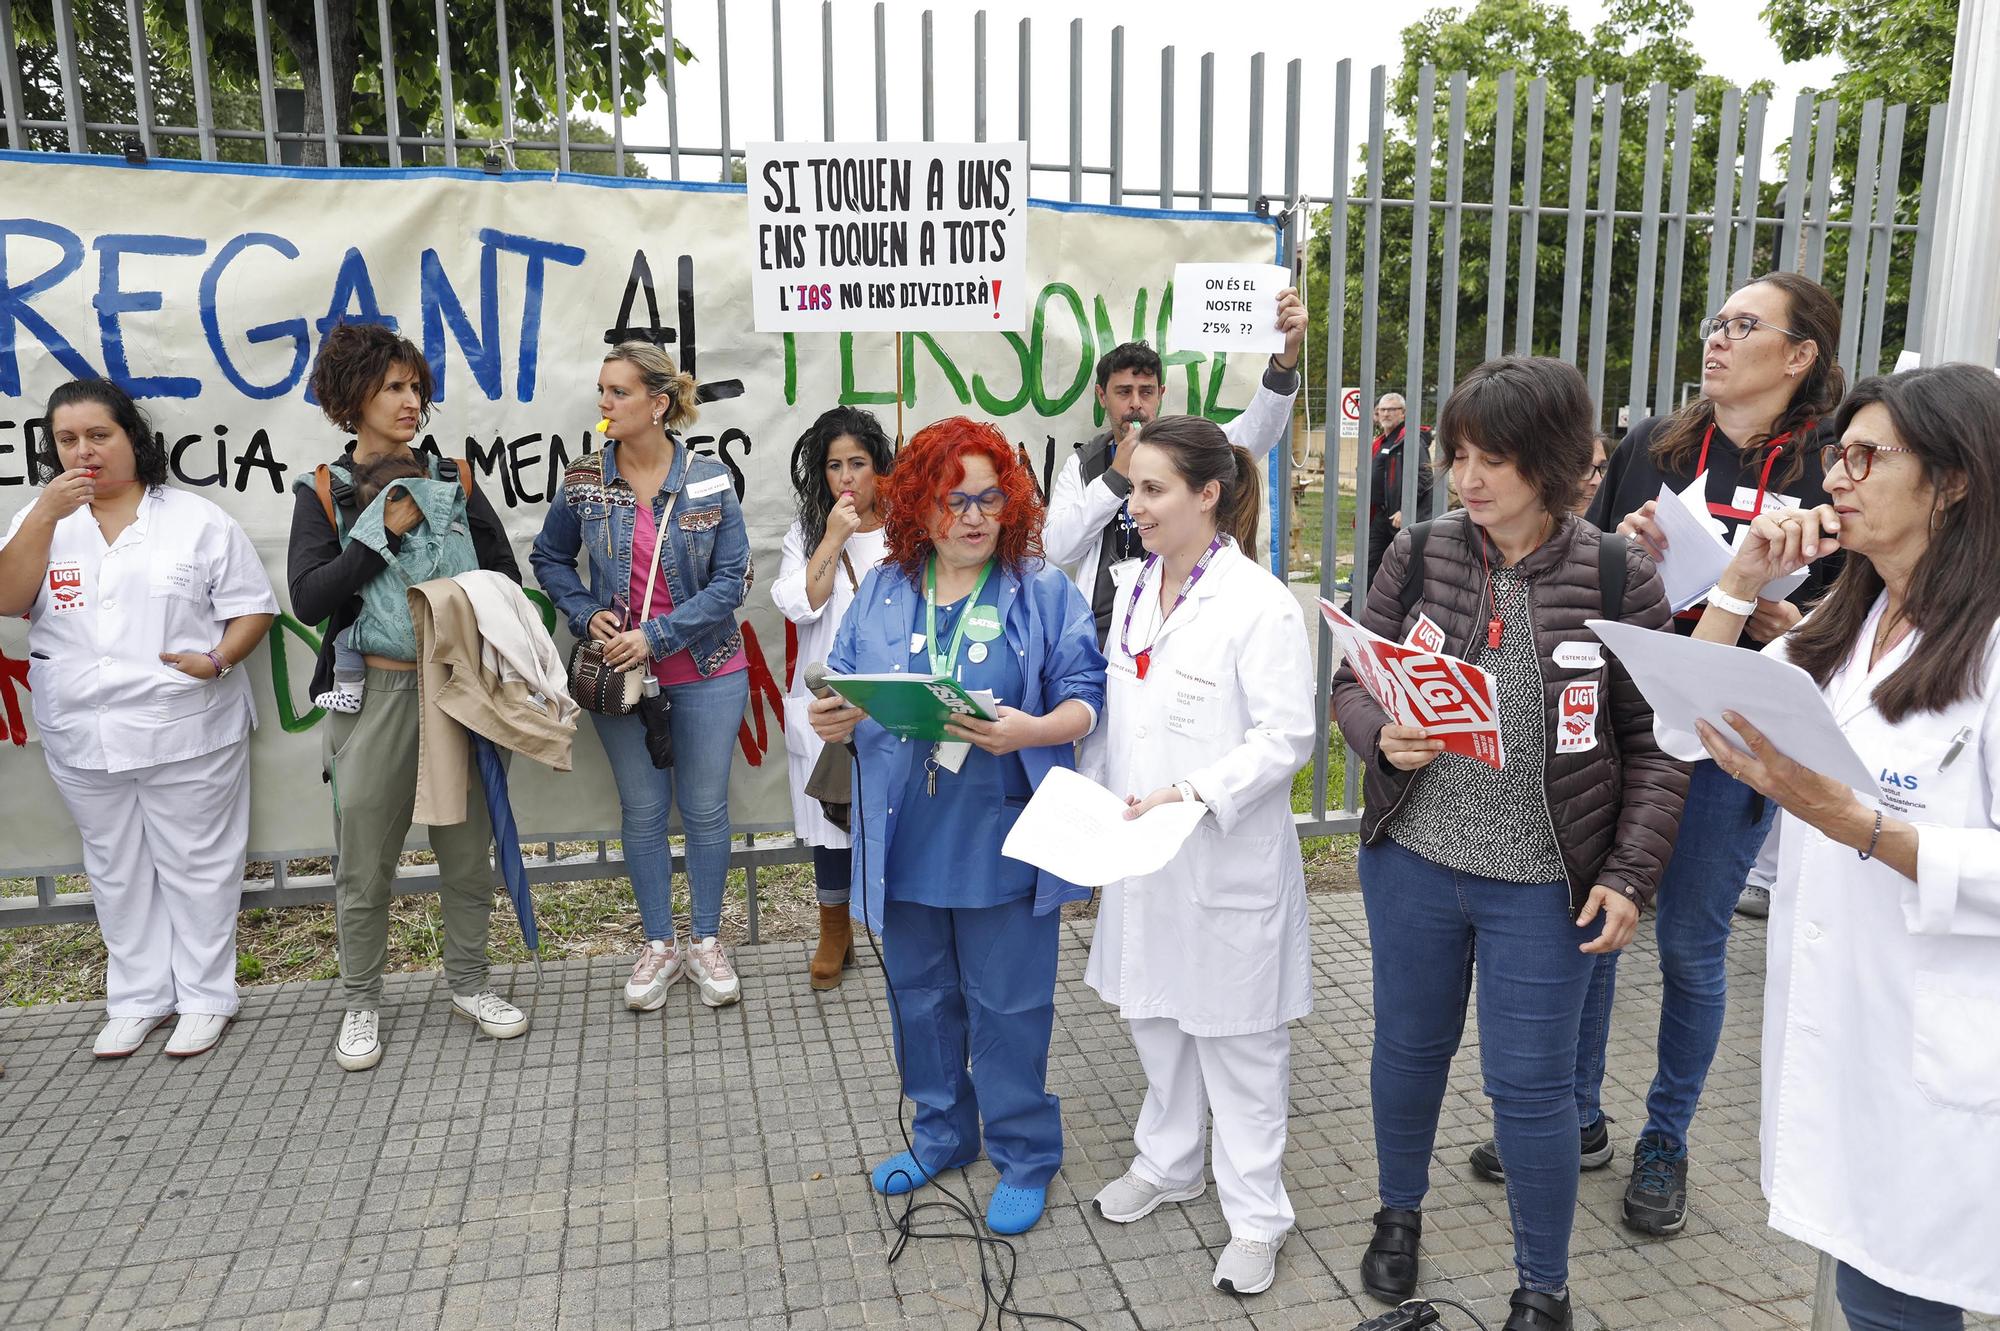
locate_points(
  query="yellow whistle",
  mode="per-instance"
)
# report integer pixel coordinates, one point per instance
(604, 425)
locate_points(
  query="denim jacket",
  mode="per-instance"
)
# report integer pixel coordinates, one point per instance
(708, 575)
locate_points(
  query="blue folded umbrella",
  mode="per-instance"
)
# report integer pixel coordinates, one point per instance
(507, 841)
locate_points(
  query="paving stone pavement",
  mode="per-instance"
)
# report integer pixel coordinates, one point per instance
(705, 1169)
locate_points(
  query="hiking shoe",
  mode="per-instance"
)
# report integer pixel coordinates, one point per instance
(1656, 1198)
(1755, 902)
(709, 965)
(360, 1044)
(1486, 1164)
(495, 1015)
(658, 966)
(1247, 1266)
(1130, 1198)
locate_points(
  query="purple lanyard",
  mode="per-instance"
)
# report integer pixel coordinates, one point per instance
(1143, 660)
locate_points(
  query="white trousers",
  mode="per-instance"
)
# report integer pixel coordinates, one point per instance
(1765, 871)
(164, 849)
(1245, 1083)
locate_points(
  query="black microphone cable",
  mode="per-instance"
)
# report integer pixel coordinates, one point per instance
(999, 1261)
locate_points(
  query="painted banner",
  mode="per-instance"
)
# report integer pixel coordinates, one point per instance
(888, 237)
(205, 289)
(1451, 699)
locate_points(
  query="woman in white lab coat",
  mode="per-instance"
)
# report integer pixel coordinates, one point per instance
(1881, 1119)
(1209, 699)
(833, 543)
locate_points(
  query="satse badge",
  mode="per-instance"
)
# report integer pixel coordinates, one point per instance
(1576, 728)
(65, 588)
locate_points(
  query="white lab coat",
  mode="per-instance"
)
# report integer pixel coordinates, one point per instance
(816, 628)
(1881, 1118)
(1216, 941)
(1073, 529)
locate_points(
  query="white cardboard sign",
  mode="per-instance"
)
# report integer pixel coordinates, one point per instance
(1228, 306)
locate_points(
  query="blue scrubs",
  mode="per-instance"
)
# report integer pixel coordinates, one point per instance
(970, 966)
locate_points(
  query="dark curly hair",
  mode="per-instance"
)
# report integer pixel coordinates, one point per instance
(815, 497)
(149, 456)
(930, 465)
(353, 361)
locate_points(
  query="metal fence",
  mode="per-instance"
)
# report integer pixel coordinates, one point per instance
(1844, 222)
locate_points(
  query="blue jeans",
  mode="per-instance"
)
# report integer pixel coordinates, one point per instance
(833, 874)
(1426, 923)
(704, 718)
(1723, 827)
(1871, 1306)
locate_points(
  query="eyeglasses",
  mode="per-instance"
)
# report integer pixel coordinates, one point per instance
(991, 501)
(1739, 326)
(1598, 469)
(1857, 458)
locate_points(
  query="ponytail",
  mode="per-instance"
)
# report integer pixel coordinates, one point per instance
(1242, 502)
(1201, 453)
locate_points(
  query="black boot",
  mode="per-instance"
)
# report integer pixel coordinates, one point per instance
(1389, 1267)
(1538, 1312)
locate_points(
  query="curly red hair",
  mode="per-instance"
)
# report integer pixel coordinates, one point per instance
(931, 463)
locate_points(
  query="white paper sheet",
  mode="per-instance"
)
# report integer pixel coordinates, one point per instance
(1078, 831)
(1685, 679)
(1697, 554)
(1227, 307)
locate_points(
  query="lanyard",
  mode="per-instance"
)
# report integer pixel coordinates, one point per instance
(1776, 445)
(947, 664)
(1143, 659)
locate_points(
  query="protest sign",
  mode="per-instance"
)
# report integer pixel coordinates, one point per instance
(1451, 699)
(888, 237)
(1229, 306)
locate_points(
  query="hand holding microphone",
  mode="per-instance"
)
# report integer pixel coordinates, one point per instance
(833, 717)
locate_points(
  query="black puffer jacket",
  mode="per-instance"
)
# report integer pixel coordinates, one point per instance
(1617, 806)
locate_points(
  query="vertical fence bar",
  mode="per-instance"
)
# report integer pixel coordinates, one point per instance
(1798, 161)
(826, 71)
(1859, 217)
(1166, 127)
(1118, 115)
(1531, 220)
(617, 90)
(1422, 144)
(1454, 196)
(778, 66)
(142, 74)
(506, 74)
(978, 78)
(1333, 376)
(1579, 183)
(10, 77)
(1670, 290)
(1725, 198)
(930, 79)
(881, 71)
(1750, 192)
(45, 884)
(1883, 243)
(1025, 94)
(72, 71)
(1075, 110)
(559, 27)
(1206, 168)
(1371, 294)
(1253, 184)
(1295, 75)
(204, 101)
(1920, 263)
(448, 109)
(1649, 247)
(1503, 194)
(329, 124)
(673, 82)
(1607, 204)
(1822, 189)
(392, 111)
(267, 82)
(727, 170)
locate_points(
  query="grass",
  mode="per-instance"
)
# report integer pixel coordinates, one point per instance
(1311, 511)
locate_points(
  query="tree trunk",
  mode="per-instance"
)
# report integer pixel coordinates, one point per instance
(296, 26)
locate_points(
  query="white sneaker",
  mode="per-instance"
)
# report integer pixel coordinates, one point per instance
(495, 1015)
(122, 1036)
(196, 1033)
(1248, 1266)
(1130, 1198)
(360, 1044)
(709, 965)
(658, 966)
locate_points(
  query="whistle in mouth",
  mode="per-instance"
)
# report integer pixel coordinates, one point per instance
(604, 425)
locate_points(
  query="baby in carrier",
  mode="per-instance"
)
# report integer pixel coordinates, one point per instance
(349, 671)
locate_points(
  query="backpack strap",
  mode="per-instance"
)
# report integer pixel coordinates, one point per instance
(461, 470)
(1611, 574)
(323, 487)
(1413, 572)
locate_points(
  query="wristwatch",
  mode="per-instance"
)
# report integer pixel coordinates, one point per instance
(223, 665)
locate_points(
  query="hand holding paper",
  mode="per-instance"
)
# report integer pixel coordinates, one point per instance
(1078, 831)
(1696, 553)
(1449, 699)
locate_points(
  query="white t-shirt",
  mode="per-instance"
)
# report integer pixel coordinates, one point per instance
(172, 580)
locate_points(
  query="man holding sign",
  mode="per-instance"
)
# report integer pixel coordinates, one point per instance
(1090, 530)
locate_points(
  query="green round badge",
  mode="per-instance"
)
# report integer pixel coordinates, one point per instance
(982, 623)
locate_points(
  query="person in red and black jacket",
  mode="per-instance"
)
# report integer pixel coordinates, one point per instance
(1768, 382)
(1385, 490)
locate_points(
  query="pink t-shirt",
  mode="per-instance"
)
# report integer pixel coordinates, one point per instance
(679, 667)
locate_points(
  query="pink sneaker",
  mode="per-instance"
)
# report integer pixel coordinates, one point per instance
(709, 965)
(658, 966)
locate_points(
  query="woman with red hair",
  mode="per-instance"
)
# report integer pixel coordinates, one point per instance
(968, 936)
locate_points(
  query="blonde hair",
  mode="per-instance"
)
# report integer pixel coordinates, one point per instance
(661, 376)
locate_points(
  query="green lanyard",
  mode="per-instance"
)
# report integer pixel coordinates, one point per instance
(948, 664)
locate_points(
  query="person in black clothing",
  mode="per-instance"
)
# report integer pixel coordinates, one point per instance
(1768, 381)
(1385, 489)
(376, 386)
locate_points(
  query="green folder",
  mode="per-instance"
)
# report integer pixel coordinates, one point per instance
(913, 706)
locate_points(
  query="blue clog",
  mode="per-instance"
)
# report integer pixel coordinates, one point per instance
(901, 1173)
(1015, 1210)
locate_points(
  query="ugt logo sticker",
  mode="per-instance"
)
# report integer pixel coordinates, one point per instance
(65, 588)
(1576, 728)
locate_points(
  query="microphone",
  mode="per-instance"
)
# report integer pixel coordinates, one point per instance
(815, 681)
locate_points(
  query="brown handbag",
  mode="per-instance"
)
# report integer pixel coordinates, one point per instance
(595, 683)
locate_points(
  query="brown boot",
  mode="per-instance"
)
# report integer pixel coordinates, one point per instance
(836, 947)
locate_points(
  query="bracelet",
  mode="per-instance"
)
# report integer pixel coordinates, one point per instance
(221, 666)
(1734, 605)
(1187, 792)
(1874, 837)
